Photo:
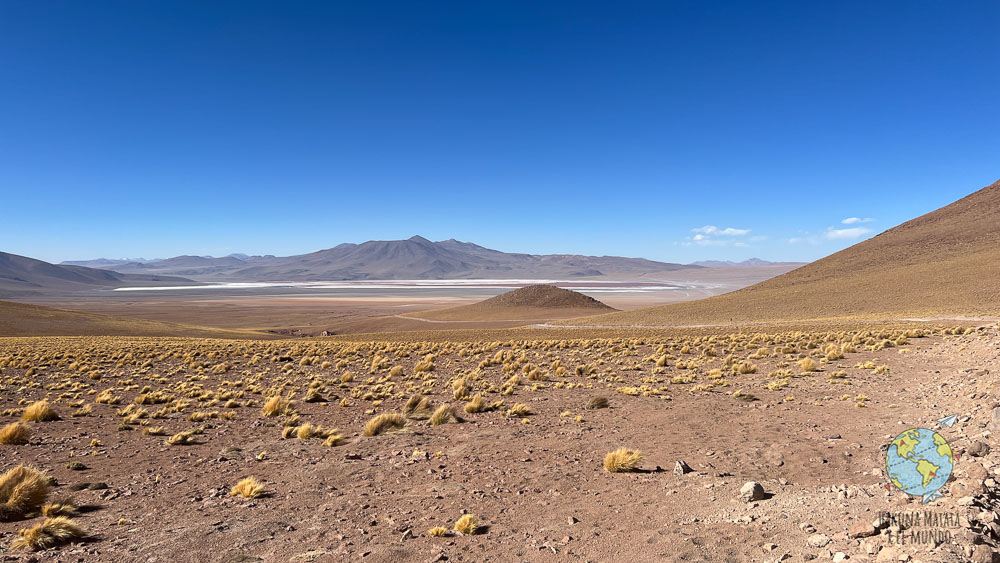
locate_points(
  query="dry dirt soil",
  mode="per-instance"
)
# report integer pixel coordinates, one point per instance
(536, 482)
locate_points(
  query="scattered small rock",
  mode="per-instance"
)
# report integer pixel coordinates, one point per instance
(979, 449)
(818, 540)
(751, 491)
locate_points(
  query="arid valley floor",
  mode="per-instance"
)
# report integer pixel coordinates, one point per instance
(527, 462)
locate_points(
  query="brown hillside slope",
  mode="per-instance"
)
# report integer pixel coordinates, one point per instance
(944, 263)
(530, 303)
(18, 319)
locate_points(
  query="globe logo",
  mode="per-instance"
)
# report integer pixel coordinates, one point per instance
(919, 462)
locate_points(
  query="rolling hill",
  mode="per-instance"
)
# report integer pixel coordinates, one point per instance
(946, 262)
(23, 276)
(413, 258)
(530, 303)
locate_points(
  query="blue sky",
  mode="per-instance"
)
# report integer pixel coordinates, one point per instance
(676, 131)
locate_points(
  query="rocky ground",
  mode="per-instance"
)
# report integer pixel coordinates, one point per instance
(814, 441)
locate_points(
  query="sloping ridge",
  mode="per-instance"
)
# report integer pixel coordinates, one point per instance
(533, 302)
(19, 319)
(946, 262)
(20, 275)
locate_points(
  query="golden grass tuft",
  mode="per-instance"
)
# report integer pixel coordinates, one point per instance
(334, 439)
(61, 507)
(50, 533)
(622, 460)
(247, 488)
(15, 434)
(466, 525)
(443, 415)
(477, 404)
(276, 406)
(39, 411)
(519, 410)
(597, 403)
(417, 407)
(185, 438)
(388, 422)
(22, 491)
(438, 531)
(807, 364)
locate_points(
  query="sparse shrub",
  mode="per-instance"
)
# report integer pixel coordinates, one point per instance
(39, 411)
(15, 434)
(466, 525)
(622, 460)
(807, 364)
(247, 488)
(388, 422)
(597, 403)
(50, 533)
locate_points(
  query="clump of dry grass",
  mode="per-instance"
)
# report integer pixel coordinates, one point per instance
(39, 411)
(22, 491)
(622, 460)
(443, 415)
(519, 410)
(417, 407)
(466, 525)
(276, 406)
(334, 439)
(438, 531)
(807, 364)
(597, 403)
(460, 389)
(61, 507)
(314, 396)
(181, 438)
(50, 533)
(15, 434)
(477, 404)
(388, 422)
(247, 488)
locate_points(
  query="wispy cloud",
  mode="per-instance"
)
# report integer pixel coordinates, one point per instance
(856, 220)
(846, 234)
(707, 236)
(728, 231)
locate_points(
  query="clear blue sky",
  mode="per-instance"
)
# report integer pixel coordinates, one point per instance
(671, 130)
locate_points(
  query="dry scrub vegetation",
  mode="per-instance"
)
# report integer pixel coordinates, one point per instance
(191, 390)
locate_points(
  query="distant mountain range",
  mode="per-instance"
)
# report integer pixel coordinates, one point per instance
(413, 258)
(750, 262)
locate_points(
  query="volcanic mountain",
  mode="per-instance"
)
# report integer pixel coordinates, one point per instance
(946, 262)
(413, 258)
(530, 303)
